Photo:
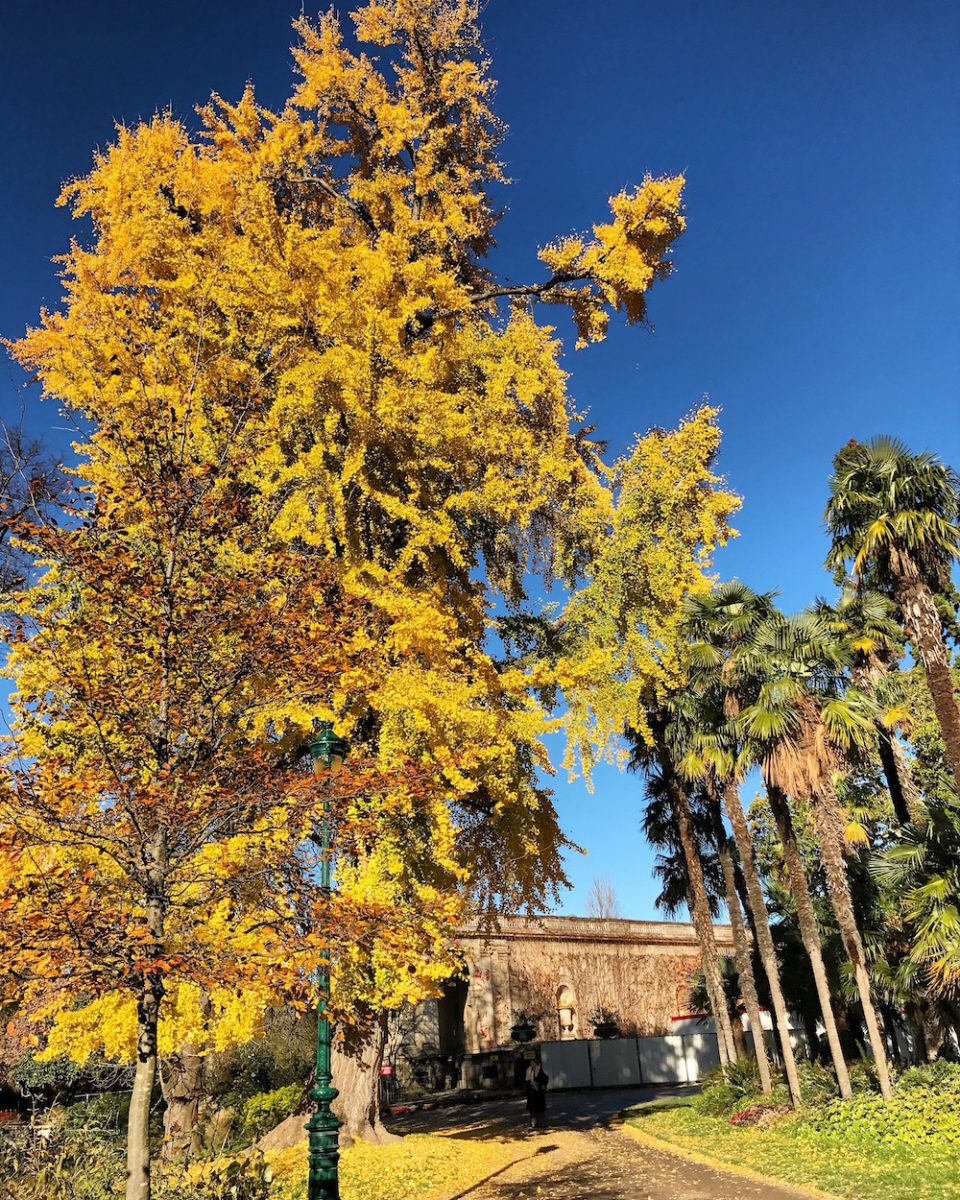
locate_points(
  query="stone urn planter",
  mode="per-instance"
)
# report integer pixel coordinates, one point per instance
(606, 1029)
(524, 1031)
(605, 1022)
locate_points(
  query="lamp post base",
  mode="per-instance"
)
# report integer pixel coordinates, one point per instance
(323, 1181)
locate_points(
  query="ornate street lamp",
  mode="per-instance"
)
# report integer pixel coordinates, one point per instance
(328, 752)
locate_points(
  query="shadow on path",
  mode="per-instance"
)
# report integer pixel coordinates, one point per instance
(507, 1117)
(502, 1170)
(583, 1154)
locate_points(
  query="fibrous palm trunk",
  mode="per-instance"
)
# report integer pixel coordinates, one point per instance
(741, 944)
(761, 929)
(806, 918)
(702, 920)
(904, 796)
(829, 822)
(896, 770)
(925, 631)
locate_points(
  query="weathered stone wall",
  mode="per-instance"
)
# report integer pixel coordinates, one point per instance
(641, 970)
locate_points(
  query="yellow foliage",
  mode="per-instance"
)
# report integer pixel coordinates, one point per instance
(326, 447)
(625, 649)
(420, 1167)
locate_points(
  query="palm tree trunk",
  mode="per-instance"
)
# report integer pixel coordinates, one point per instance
(925, 630)
(741, 945)
(896, 771)
(888, 1016)
(907, 805)
(761, 928)
(921, 1053)
(702, 920)
(829, 822)
(807, 921)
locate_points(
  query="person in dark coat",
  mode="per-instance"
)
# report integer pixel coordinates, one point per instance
(536, 1080)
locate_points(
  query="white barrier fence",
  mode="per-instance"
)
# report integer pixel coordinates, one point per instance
(626, 1061)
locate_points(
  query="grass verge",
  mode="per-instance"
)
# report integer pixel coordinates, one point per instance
(420, 1167)
(791, 1154)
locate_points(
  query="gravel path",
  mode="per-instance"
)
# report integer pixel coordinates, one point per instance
(583, 1155)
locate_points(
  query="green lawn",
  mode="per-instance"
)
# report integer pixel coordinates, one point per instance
(794, 1155)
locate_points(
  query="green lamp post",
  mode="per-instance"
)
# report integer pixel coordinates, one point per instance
(328, 752)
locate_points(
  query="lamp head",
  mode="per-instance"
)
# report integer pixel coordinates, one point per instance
(326, 749)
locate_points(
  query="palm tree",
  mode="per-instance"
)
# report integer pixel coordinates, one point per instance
(741, 940)
(700, 1001)
(923, 870)
(720, 624)
(799, 724)
(865, 623)
(659, 765)
(894, 516)
(692, 716)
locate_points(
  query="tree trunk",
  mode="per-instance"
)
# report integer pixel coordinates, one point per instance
(807, 921)
(761, 929)
(918, 1032)
(888, 1016)
(829, 823)
(810, 1029)
(182, 1084)
(356, 1076)
(702, 920)
(739, 1037)
(148, 1017)
(907, 804)
(741, 945)
(138, 1127)
(925, 630)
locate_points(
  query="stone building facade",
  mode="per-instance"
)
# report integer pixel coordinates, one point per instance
(561, 973)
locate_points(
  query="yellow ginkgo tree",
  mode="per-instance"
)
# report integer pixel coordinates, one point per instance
(328, 451)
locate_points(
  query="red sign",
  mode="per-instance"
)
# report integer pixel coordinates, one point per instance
(386, 1070)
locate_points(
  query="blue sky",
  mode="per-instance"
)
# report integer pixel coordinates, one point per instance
(815, 296)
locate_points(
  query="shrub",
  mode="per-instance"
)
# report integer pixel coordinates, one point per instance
(818, 1084)
(744, 1076)
(725, 1091)
(939, 1076)
(61, 1076)
(247, 1177)
(262, 1112)
(863, 1077)
(716, 1100)
(765, 1111)
(284, 1055)
(916, 1117)
(108, 1111)
(75, 1166)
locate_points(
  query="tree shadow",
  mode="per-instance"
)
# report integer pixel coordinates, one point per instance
(506, 1119)
(475, 1187)
(568, 1180)
(657, 1106)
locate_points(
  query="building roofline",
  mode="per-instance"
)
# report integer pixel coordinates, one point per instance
(589, 929)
